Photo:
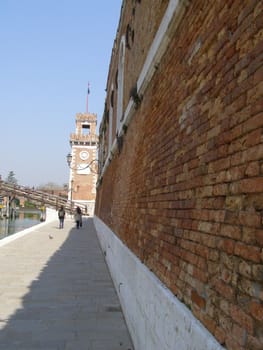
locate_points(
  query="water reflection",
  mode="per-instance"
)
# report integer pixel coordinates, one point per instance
(24, 219)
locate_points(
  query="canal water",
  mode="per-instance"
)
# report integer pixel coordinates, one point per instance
(23, 220)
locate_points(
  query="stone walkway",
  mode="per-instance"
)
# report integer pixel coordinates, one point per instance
(57, 294)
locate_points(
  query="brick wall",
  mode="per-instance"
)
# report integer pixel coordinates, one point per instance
(185, 193)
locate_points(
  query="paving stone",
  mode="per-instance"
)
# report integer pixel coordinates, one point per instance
(57, 294)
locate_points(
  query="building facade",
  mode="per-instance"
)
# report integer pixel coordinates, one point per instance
(84, 165)
(179, 206)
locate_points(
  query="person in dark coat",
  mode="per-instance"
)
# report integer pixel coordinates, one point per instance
(61, 216)
(78, 217)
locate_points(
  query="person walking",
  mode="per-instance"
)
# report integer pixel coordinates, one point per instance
(61, 216)
(78, 217)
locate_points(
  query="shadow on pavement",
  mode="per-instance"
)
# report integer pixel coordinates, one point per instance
(72, 305)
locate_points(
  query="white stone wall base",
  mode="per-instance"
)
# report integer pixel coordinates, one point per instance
(156, 319)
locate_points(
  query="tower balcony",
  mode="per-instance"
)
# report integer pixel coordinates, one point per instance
(84, 138)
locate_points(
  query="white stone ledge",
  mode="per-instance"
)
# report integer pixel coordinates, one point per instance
(155, 317)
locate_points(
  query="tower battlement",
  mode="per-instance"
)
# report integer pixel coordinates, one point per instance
(86, 117)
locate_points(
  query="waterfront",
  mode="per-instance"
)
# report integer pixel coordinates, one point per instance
(23, 220)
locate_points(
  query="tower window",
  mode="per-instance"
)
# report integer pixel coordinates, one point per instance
(85, 129)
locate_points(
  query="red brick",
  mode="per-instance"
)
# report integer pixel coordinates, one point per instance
(253, 123)
(259, 237)
(242, 318)
(257, 107)
(249, 219)
(218, 165)
(251, 185)
(252, 169)
(232, 344)
(202, 215)
(256, 310)
(237, 172)
(220, 335)
(227, 245)
(220, 190)
(230, 135)
(217, 215)
(247, 252)
(254, 94)
(226, 291)
(253, 138)
(253, 153)
(231, 231)
(208, 322)
(198, 300)
(187, 256)
(234, 106)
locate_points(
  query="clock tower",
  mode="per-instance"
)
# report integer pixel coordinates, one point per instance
(84, 166)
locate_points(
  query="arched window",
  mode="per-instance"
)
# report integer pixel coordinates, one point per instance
(120, 83)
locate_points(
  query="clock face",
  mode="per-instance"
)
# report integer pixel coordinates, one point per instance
(84, 155)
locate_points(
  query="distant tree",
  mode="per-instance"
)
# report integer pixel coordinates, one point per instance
(49, 186)
(53, 188)
(29, 205)
(11, 178)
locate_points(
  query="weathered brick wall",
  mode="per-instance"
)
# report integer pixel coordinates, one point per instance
(143, 21)
(139, 20)
(186, 191)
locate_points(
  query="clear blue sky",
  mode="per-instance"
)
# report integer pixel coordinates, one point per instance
(50, 50)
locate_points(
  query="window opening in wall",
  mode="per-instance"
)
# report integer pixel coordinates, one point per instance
(110, 112)
(85, 129)
(120, 83)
